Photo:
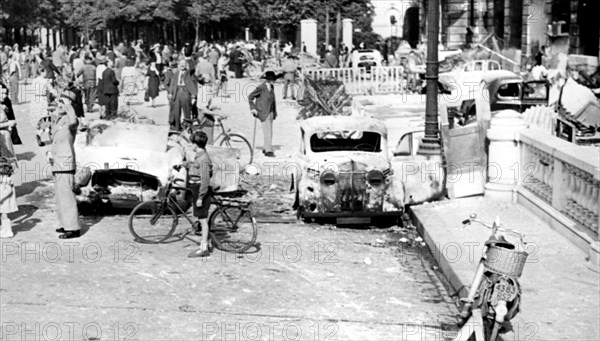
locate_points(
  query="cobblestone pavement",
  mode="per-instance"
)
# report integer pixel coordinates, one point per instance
(307, 282)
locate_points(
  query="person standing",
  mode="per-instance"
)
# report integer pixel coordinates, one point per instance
(153, 75)
(289, 76)
(128, 82)
(8, 197)
(61, 157)
(237, 59)
(110, 87)
(200, 170)
(100, 67)
(213, 58)
(14, 74)
(181, 93)
(205, 74)
(88, 75)
(262, 106)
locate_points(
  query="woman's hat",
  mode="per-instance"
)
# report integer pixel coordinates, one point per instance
(101, 58)
(156, 46)
(270, 76)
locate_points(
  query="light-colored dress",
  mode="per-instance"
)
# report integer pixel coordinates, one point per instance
(131, 87)
(8, 196)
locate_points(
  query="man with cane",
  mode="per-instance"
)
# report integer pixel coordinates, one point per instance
(262, 106)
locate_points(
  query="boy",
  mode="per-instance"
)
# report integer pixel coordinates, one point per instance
(199, 173)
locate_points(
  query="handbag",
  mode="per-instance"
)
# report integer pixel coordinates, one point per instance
(146, 96)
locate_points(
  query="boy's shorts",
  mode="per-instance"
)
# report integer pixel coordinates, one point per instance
(202, 211)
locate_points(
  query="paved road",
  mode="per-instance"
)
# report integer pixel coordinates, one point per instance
(307, 282)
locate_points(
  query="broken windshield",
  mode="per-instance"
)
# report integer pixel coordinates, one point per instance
(346, 141)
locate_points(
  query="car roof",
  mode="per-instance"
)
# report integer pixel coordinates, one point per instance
(498, 75)
(337, 123)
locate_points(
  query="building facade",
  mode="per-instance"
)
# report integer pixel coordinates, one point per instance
(524, 25)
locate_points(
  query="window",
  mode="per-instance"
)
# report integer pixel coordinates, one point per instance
(493, 66)
(535, 90)
(404, 146)
(345, 141)
(508, 90)
(479, 66)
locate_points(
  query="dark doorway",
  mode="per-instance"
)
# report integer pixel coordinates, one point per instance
(589, 27)
(410, 29)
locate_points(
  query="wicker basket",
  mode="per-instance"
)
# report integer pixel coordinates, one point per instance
(505, 262)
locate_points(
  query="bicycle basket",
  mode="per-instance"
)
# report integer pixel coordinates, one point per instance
(505, 262)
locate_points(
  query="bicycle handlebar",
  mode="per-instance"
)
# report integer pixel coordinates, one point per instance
(496, 227)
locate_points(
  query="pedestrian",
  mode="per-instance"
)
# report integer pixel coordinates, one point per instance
(153, 75)
(213, 58)
(88, 76)
(222, 76)
(200, 170)
(237, 60)
(45, 93)
(100, 67)
(331, 60)
(8, 197)
(128, 82)
(262, 106)
(61, 157)
(157, 58)
(14, 74)
(289, 75)
(205, 74)
(110, 88)
(181, 93)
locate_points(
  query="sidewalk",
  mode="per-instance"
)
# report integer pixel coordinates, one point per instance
(561, 296)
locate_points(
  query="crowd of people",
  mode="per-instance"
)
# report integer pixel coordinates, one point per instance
(70, 82)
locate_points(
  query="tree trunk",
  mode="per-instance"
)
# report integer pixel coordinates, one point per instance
(174, 36)
(165, 35)
(197, 27)
(326, 27)
(338, 32)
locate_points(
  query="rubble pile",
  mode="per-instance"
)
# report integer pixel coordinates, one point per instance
(324, 97)
(270, 196)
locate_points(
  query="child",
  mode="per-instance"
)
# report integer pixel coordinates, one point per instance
(200, 172)
(222, 77)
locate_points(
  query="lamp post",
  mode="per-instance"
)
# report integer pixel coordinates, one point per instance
(430, 145)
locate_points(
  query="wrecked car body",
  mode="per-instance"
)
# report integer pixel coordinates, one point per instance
(345, 170)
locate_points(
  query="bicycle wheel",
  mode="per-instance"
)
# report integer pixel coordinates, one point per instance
(232, 229)
(152, 222)
(240, 143)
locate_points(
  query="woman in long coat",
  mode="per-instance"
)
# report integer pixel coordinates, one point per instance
(8, 197)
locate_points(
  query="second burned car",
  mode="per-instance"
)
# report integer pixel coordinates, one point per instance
(345, 171)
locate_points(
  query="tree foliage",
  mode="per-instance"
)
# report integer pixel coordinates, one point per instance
(81, 15)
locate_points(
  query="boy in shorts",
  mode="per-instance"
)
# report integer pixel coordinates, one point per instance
(199, 173)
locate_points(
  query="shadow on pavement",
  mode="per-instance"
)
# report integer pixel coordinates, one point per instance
(22, 221)
(27, 156)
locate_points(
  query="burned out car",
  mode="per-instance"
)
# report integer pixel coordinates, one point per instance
(345, 171)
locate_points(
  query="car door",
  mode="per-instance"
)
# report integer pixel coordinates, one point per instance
(534, 93)
(507, 96)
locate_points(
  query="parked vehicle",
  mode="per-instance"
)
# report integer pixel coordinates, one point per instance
(345, 171)
(495, 290)
(366, 59)
(505, 90)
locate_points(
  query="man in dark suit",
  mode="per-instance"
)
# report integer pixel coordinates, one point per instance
(262, 106)
(182, 91)
(111, 90)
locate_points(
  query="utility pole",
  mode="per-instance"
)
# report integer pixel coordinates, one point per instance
(430, 145)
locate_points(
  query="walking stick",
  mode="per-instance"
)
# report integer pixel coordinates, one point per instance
(254, 134)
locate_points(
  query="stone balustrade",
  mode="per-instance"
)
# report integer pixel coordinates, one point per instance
(563, 175)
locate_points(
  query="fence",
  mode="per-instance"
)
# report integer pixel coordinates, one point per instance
(380, 80)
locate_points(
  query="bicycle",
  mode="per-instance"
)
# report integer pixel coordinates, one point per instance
(232, 228)
(225, 138)
(495, 292)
